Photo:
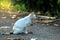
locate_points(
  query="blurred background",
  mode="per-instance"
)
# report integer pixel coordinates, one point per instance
(47, 23)
(42, 7)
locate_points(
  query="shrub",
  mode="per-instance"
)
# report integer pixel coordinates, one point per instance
(20, 7)
(5, 4)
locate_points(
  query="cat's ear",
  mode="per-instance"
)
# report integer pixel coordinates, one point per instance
(32, 13)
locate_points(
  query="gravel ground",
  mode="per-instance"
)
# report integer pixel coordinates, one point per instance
(40, 31)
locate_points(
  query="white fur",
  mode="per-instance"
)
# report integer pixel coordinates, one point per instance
(22, 23)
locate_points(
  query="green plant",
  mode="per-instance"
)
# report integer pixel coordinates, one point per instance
(20, 7)
(58, 1)
(5, 4)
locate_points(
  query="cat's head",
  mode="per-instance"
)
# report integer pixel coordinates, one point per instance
(32, 15)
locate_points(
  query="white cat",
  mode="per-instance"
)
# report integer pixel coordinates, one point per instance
(22, 23)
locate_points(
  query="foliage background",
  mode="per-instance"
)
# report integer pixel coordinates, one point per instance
(45, 7)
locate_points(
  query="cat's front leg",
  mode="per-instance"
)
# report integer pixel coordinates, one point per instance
(27, 31)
